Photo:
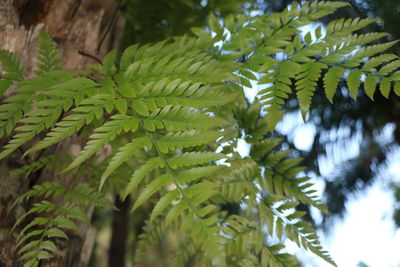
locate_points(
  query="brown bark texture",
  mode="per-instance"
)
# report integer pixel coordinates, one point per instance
(75, 25)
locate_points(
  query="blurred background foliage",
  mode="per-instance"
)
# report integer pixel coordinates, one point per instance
(360, 123)
(155, 20)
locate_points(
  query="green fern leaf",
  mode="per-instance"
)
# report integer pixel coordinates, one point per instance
(344, 27)
(103, 135)
(275, 94)
(49, 57)
(163, 203)
(373, 62)
(371, 50)
(193, 158)
(70, 124)
(140, 107)
(123, 154)
(307, 79)
(193, 174)
(191, 138)
(353, 82)
(65, 223)
(38, 120)
(370, 86)
(178, 118)
(28, 246)
(55, 232)
(331, 80)
(48, 245)
(388, 68)
(140, 173)
(384, 87)
(26, 237)
(178, 92)
(152, 188)
(12, 68)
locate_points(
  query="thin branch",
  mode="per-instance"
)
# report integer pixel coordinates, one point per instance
(87, 54)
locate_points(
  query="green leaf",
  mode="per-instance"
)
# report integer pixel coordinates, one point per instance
(123, 154)
(176, 211)
(193, 174)
(180, 118)
(140, 107)
(108, 62)
(48, 57)
(163, 203)
(140, 173)
(331, 81)
(385, 87)
(193, 158)
(191, 138)
(307, 78)
(152, 188)
(126, 90)
(103, 135)
(353, 82)
(13, 68)
(55, 232)
(370, 86)
(48, 245)
(121, 105)
(65, 223)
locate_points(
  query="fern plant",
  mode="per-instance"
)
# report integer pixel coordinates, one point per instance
(173, 113)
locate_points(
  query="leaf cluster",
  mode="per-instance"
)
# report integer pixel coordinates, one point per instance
(173, 113)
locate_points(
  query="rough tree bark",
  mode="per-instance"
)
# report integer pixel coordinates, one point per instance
(75, 25)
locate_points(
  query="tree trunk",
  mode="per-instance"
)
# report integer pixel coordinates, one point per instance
(75, 25)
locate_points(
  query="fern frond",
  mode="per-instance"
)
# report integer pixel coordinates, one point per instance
(279, 88)
(301, 232)
(82, 115)
(123, 154)
(152, 188)
(193, 158)
(177, 92)
(140, 173)
(184, 253)
(46, 112)
(45, 189)
(191, 138)
(331, 81)
(306, 82)
(53, 218)
(193, 174)
(11, 70)
(51, 161)
(85, 195)
(368, 51)
(237, 182)
(11, 66)
(178, 118)
(163, 202)
(49, 57)
(370, 85)
(103, 135)
(374, 62)
(153, 232)
(179, 60)
(14, 107)
(342, 27)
